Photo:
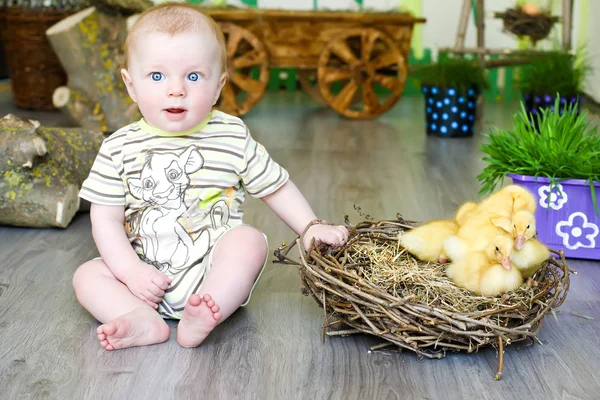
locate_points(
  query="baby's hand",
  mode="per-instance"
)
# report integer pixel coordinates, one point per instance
(147, 283)
(329, 234)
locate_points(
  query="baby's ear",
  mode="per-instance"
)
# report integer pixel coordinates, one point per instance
(128, 84)
(502, 223)
(222, 81)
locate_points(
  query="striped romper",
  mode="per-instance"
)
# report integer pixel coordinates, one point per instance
(181, 192)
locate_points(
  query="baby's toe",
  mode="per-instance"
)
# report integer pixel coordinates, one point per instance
(194, 300)
(207, 298)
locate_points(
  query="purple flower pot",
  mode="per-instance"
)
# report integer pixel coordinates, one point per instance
(565, 221)
(449, 112)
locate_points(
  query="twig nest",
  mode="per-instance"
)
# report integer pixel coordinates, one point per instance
(374, 286)
(529, 21)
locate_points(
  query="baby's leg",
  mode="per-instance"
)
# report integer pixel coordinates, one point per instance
(238, 258)
(127, 320)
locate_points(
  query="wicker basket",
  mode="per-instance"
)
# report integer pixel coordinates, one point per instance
(33, 67)
(332, 275)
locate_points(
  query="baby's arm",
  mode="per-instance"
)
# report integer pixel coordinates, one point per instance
(291, 206)
(143, 280)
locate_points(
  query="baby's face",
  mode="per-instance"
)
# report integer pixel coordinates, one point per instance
(175, 80)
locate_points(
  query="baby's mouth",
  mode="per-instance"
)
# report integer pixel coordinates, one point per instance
(175, 110)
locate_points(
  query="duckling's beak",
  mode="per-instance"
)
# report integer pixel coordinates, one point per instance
(505, 261)
(519, 242)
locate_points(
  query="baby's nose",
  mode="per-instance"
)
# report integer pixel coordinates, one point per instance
(176, 89)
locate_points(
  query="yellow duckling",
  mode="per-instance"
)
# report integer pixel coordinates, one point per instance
(464, 211)
(476, 232)
(488, 272)
(530, 258)
(426, 242)
(508, 201)
(522, 228)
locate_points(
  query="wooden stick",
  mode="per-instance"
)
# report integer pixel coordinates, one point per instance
(501, 51)
(381, 346)
(505, 62)
(343, 332)
(462, 24)
(567, 8)
(480, 29)
(500, 359)
(325, 320)
(364, 317)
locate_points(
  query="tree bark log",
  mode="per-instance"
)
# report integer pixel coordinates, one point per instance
(90, 47)
(81, 109)
(19, 143)
(44, 193)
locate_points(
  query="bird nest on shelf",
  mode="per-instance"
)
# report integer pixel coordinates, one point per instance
(372, 285)
(536, 26)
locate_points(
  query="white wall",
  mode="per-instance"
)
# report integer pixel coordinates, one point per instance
(593, 82)
(442, 24)
(286, 4)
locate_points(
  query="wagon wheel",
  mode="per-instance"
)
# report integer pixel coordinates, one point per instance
(310, 85)
(366, 61)
(247, 67)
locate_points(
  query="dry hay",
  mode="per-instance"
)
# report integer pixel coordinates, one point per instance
(374, 286)
(393, 269)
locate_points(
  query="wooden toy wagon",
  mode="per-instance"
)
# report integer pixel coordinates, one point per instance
(355, 62)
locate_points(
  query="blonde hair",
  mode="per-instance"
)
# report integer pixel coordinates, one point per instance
(173, 18)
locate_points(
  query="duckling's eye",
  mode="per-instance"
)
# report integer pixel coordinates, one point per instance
(497, 249)
(528, 226)
(514, 226)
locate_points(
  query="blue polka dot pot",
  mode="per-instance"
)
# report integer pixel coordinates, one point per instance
(534, 104)
(449, 112)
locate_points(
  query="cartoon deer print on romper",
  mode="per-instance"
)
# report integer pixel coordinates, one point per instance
(162, 184)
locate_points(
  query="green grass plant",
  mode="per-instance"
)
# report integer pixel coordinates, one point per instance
(566, 147)
(452, 73)
(553, 72)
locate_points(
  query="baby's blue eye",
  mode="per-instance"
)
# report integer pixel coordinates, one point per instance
(193, 76)
(157, 76)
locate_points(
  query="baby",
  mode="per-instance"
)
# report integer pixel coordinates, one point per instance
(167, 194)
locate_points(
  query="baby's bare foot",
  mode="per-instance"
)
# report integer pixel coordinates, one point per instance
(200, 317)
(138, 328)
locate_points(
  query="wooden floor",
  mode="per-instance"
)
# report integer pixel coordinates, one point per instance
(272, 348)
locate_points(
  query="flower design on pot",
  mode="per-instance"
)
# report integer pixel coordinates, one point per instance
(577, 231)
(556, 200)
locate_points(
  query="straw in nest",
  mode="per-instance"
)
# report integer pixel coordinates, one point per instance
(374, 286)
